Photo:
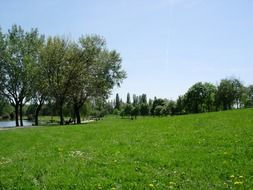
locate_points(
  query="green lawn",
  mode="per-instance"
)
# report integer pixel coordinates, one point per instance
(202, 151)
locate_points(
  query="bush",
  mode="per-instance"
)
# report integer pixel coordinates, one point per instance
(158, 110)
(5, 116)
(116, 112)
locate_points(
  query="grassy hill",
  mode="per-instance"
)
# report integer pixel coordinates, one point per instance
(201, 151)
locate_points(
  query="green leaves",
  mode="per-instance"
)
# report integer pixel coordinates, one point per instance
(19, 55)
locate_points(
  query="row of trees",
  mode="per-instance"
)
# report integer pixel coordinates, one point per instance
(201, 97)
(56, 71)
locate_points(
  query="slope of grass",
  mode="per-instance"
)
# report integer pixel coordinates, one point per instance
(202, 151)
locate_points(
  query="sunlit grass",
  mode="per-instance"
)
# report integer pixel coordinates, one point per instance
(202, 151)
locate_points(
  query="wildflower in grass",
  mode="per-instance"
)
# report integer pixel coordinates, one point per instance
(238, 182)
(99, 187)
(76, 154)
(172, 183)
(232, 176)
(241, 177)
(4, 161)
(151, 185)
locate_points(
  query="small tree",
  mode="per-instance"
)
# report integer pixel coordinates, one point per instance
(128, 99)
(117, 102)
(158, 111)
(135, 111)
(144, 109)
(128, 110)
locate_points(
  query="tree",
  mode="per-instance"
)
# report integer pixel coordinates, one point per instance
(19, 53)
(58, 70)
(210, 99)
(143, 99)
(128, 99)
(40, 91)
(99, 70)
(169, 107)
(229, 93)
(156, 102)
(143, 105)
(5, 107)
(248, 96)
(135, 100)
(158, 111)
(128, 110)
(200, 97)
(180, 106)
(135, 111)
(144, 109)
(239, 91)
(117, 102)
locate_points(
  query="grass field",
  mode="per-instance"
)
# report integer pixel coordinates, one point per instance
(202, 151)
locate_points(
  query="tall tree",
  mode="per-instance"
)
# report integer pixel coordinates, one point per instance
(239, 91)
(229, 93)
(58, 71)
(144, 108)
(117, 102)
(200, 97)
(20, 53)
(157, 102)
(180, 105)
(135, 100)
(40, 90)
(249, 99)
(100, 70)
(128, 99)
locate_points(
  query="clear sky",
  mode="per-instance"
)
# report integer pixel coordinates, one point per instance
(166, 45)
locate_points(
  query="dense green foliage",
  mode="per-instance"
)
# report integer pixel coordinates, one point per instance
(55, 70)
(19, 55)
(201, 151)
(199, 98)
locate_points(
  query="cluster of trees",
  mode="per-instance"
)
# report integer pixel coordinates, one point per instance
(139, 105)
(201, 97)
(55, 71)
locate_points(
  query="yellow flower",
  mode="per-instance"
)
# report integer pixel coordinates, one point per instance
(238, 182)
(151, 185)
(232, 176)
(240, 176)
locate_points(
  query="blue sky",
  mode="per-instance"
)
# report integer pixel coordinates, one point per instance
(166, 45)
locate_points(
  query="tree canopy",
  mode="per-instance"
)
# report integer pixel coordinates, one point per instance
(56, 69)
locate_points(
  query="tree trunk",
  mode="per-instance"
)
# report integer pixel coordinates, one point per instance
(16, 114)
(21, 114)
(37, 114)
(78, 117)
(61, 115)
(77, 113)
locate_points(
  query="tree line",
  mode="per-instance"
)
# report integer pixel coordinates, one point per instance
(230, 93)
(55, 71)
